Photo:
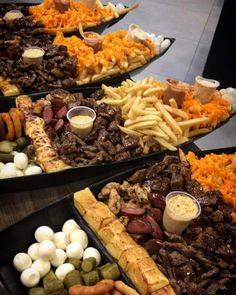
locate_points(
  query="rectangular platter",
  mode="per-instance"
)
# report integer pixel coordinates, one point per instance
(54, 215)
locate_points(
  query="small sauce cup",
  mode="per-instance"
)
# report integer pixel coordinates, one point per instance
(12, 15)
(33, 55)
(204, 89)
(181, 208)
(175, 89)
(135, 33)
(62, 5)
(94, 40)
(81, 120)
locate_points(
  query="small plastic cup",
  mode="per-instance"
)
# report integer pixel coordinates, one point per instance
(12, 15)
(204, 89)
(175, 89)
(94, 40)
(33, 55)
(81, 125)
(175, 221)
(62, 5)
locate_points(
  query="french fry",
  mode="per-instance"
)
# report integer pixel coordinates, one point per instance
(153, 133)
(166, 129)
(182, 156)
(124, 289)
(129, 131)
(111, 92)
(166, 144)
(199, 132)
(146, 118)
(168, 118)
(192, 122)
(151, 91)
(176, 112)
(173, 103)
(143, 125)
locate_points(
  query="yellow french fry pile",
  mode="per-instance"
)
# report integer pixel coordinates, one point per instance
(145, 114)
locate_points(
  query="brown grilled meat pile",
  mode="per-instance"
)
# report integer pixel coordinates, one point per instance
(203, 259)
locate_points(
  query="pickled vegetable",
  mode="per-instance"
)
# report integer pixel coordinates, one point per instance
(36, 291)
(76, 262)
(5, 158)
(91, 278)
(21, 142)
(72, 278)
(52, 285)
(14, 145)
(88, 264)
(6, 146)
(110, 272)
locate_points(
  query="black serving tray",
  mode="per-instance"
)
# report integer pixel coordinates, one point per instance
(30, 182)
(99, 28)
(96, 188)
(18, 237)
(10, 100)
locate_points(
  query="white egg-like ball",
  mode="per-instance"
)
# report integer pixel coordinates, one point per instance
(92, 252)
(59, 258)
(74, 250)
(22, 261)
(1, 165)
(79, 236)
(8, 171)
(61, 240)
(69, 226)
(32, 170)
(43, 233)
(21, 161)
(46, 250)
(19, 172)
(30, 277)
(120, 7)
(42, 266)
(165, 44)
(63, 270)
(33, 251)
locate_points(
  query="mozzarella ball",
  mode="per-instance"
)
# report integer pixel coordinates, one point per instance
(22, 261)
(8, 171)
(43, 233)
(74, 250)
(19, 172)
(119, 6)
(92, 252)
(69, 226)
(61, 240)
(165, 44)
(33, 251)
(32, 170)
(30, 277)
(63, 270)
(1, 165)
(21, 161)
(79, 236)
(59, 258)
(47, 250)
(42, 266)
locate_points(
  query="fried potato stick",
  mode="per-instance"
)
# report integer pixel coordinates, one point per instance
(100, 288)
(124, 289)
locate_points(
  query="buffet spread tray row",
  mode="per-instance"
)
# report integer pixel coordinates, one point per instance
(125, 220)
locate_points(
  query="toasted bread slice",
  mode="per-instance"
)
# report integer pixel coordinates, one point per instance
(132, 255)
(146, 276)
(110, 230)
(119, 243)
(83, 200)
(98, 215)
(167, 290)
(7, 88)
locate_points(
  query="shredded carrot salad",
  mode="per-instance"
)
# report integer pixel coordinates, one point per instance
(216, 172)
(217, 110)
(76, 14)
(116, 52)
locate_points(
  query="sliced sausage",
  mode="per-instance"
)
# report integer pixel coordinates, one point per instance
(47, 114)
(157, 201)
(157, 232)
(155, 213)
(59, 126)
(139, 226)
(62, 112)
(133, 211)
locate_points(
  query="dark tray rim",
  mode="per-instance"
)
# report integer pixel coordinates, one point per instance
(110, 80)
(46, 179)
(93, 238)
